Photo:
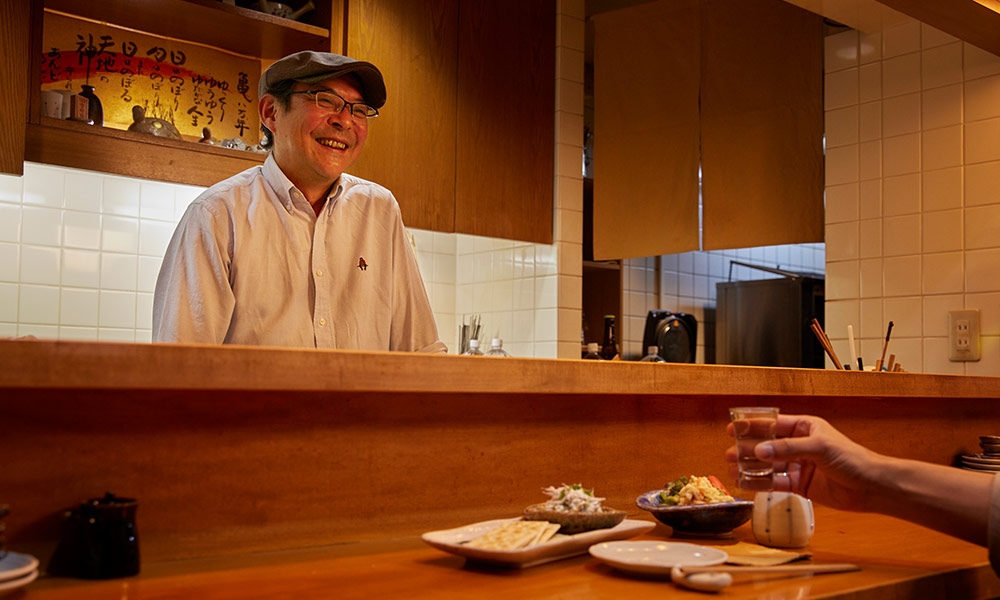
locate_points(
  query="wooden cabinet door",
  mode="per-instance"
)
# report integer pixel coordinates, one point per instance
(411, 144)
(465, 140)
(15, 29)
(506, 115)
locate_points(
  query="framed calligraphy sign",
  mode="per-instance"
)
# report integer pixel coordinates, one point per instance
(189, 85)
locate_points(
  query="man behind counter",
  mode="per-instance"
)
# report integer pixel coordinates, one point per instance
(297, 252)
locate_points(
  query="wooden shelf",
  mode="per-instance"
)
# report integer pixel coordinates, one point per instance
(82, 146)
(208, 22)
(117, 366)
(603, 265)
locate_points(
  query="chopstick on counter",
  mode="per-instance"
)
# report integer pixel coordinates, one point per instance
(801, 569)
(885, 346)
(824, 341)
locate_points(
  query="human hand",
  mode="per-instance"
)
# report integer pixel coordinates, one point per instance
(811, 458)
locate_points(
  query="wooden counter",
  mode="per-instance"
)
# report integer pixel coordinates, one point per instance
(235, 450)
(897, 560)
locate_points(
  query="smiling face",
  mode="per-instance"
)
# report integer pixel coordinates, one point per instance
(312, 146)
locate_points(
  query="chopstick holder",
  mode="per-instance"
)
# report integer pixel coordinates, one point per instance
(825, 342)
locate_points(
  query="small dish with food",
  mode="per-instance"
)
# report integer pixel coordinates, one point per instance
(696, 506)
(575, 509)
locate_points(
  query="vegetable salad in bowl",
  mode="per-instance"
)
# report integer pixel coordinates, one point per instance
(695, 506)
(694, 490)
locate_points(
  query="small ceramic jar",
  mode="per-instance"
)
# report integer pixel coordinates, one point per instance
(782, 519)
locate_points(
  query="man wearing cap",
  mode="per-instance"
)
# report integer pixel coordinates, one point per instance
(297, 252)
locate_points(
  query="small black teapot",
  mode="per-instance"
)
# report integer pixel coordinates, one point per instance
(101, 540)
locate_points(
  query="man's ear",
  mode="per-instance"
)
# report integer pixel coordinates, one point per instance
(267, 108)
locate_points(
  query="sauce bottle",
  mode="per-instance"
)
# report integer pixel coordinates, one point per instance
(609, 349)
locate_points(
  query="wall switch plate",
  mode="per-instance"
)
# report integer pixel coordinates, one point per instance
(963, 335)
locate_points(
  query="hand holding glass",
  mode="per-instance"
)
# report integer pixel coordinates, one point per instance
(751, 426)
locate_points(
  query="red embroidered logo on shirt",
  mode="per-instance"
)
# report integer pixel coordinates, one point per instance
(362, 264)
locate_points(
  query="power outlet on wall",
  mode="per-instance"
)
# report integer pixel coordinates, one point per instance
(963, 335)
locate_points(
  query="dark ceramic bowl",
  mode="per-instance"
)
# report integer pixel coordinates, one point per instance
(575, 522)
(698, 520)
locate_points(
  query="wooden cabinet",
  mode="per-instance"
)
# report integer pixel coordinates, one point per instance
(465, 141)
(506, 119)
(411, 145)
(15, 20)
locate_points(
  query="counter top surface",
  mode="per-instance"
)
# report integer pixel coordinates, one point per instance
(97, 365)
(897, 559)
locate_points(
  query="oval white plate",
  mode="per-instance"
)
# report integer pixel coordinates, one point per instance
(656, 558)
(15, 565)
(560, 546)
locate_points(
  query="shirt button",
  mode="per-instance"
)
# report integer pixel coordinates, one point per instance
(322, 322)
(319, 272)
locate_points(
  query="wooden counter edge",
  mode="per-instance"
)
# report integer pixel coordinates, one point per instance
(102, 365)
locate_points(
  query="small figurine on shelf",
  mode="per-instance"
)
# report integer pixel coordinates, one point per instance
(234, 143)
(206, 137)
(283, 10)
(151, 125)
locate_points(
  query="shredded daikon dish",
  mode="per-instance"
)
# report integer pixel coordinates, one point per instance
(572, 498)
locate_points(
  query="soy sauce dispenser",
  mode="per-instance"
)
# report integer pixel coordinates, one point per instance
(101, 540)
(609, 349)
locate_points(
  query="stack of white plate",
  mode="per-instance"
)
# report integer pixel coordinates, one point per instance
(17, 570)
(989, 460)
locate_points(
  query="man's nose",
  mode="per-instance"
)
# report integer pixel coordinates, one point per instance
(342, 118)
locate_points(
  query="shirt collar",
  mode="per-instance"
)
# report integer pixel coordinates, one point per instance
(287, 193)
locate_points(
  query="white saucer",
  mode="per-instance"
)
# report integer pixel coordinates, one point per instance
(981, 468)
(16, 565)
(10, 584)
(981, 459)
(656, 558)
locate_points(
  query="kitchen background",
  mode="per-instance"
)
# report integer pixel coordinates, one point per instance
(80, 251)
(913, 211)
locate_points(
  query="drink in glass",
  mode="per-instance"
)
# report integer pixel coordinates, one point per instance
(751, 426)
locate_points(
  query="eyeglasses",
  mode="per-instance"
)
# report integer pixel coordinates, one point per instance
(330, 102)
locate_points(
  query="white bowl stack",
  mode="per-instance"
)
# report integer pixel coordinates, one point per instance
(16, 569)
(989, 460)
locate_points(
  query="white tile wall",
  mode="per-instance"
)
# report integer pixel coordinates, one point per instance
(83, 265)
(930, 211)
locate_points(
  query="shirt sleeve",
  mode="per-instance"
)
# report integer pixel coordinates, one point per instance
(994, 524)
(413, 327)
(194, 300)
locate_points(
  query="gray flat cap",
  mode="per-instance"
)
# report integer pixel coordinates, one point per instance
(313, 67)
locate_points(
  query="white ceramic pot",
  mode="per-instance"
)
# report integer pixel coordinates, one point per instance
(782, 519)
(52, 104)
